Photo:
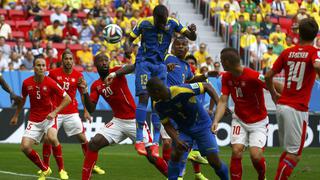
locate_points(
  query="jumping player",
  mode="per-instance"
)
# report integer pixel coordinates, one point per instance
(300, 64)
(180, 104)
(123, 124)
(42, 114)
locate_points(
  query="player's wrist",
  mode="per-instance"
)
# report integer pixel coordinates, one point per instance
(113, 74)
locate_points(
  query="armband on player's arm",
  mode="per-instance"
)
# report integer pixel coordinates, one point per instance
(165, 120)
(127, 69)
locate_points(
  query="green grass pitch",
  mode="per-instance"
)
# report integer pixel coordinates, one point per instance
(122, 163)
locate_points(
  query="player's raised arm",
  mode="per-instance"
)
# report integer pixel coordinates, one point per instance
(89, 105)
(203, 77)
(211, 91)
(6, 87)
(127, 69)
(220, 111)
(190, 33)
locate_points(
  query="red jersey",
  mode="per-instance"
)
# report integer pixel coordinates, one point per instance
(247, 93)
(41, 99)
(300, 75)
(117, 95)
(68, 82)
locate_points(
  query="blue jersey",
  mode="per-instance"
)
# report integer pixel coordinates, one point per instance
(184, 108)
(181, 72)
(154, 41)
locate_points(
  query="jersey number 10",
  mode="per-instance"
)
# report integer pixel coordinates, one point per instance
(294, 69)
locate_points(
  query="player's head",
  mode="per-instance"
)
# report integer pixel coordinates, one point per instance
(156, 89)
(180, 47)
(230, 59)
(160, 16)
(67, 60)
(39, 66)
(308, 29)
(101, 61)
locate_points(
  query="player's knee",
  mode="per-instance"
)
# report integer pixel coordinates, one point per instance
(237, 151)
(214, 160)
(176, 155)
(255, 157)
(97, 143)
(25, 148)
(166, 143)
(81, 138)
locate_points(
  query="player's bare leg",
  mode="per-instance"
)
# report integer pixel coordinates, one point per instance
(236, 161)
(57, 151)
(96, 143)
(84, 145)
(258, 161)
(141, 114)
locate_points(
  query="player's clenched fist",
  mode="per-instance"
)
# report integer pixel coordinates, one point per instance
(214, 127)
(14, 120)
(192, 28)
(83, 85)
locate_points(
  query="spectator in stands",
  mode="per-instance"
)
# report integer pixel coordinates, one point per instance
(58, 4)
(209, 63)
(76, 22)
(255, 25)
(43, 4)
(15, 60)
(288, 43)
(202, 53)
(99, 28)
(51, 58)
(20, 47)
(243, 12)
(316, 16)
(294, 33)
(22, 68)
(193, 47)
(87, 5)
(192, 61)
(58, 15)
(234, 6)
(54, 32)
(120, 19)
(240, 23)
(97, 8)
(268, 59)
(38, 32)
(96, 45)
(266, 27)
(27, 60)
(227, 19)
(85, 55)
(37, 50)
(317, 43)
(105, 16)
(247, 39)
(204, 69)
(49, 46)
(128, 11)
(264, 8)
(10, 66)
(5, 29)
(70, 34)
(6, 50)
(74, 4)
(87, 32)
(278, 8)
(215, 7)
(34, 10)
(114, 59)
(277, 47)
(13, 4)
(278, 33)
(292, 7)
(217, 66)
(91, 19)
(310, 5)
(3, 62)
(257, 50)
(250, 7)
(135, 17)
(301, 14)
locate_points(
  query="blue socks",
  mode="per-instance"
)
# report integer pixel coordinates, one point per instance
(223, 172)
(156, 127)
(173, 170)
(141, 114)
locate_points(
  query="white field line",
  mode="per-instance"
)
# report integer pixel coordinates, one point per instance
(24, 175)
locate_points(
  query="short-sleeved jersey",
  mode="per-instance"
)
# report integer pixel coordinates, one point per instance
(184, 108)
(117, 95)
(154, 41)
(41, 99)
(68, 82)
(300, 75)
(181, 72)
(247, 93)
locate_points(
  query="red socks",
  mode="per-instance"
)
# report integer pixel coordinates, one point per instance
(162, 166)
(57, 153)
(166, 153)
(196, 167)
(260, 168)
(285, 169)
(84, 147)
(89, 161)
(34, 157)
(236, 168)
(46, 152)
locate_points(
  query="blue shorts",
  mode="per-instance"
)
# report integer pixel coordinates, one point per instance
(146, 70)
(206, 141)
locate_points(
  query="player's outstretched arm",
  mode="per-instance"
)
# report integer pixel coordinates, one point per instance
(127, 69)
(64, 103)
(6, 87)
(220, 111)
(15, 117)
(270, 85)
(211, 91)
(203, 77)
(190, 33)
(172, 132)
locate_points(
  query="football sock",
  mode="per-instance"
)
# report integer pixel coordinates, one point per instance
(46, 152)
(260, 167)
(236, 168)
(173, 170)
(162, 166)
(285, 169)
(283, 155)
(84, 147)
(222, 172)
(166, 153)
(88, 164)
(141, 114)
(183, 163)
(35, 158)
(156, 127)
(57, 153)
(196, 167)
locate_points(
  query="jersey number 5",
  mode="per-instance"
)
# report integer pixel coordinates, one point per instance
(296, 73)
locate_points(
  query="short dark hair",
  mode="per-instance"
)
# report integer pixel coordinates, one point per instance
(39, 57)
(160, 11)
(66, 52)
(154, 84)
(99, 56)
(180, 38)
(190, 56)
(230, 54)
(308, 29)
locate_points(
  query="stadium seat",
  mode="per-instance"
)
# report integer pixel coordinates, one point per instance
(274, 20)
(46, 16)
(24, 26)
(28, 45)
(17, 15)
(11, 43)
(4, 12)
(285, 23)
(18, 34)
(82, 15)
(285, 30)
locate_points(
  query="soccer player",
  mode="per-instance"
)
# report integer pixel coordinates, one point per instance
(123, 124)
(156, 34)
(300, 64)
(249, 123)
(42, 116)
(69, 79)
(180, 104)
(16, 99)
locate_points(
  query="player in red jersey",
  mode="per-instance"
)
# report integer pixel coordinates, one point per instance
(123, 124)
(300, 64)
(250, 120)
(69, 118)
(42, 114)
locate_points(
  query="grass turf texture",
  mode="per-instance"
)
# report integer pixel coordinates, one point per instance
(121, 162)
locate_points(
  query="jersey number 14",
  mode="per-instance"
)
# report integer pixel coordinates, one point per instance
(296, 73)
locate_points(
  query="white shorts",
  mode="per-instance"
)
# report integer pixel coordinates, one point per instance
(36, 130)
(118, 130)
(164, 134)
(252, 135)
(71, 123)
(292, 128)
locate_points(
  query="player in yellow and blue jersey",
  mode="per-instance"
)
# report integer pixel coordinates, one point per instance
(180, 104)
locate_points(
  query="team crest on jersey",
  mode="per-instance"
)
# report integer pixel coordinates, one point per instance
(261, 78)
(29, 88)
(73, 80)
(243, 83)
(194, 85)
(98, 87)
(45, 88)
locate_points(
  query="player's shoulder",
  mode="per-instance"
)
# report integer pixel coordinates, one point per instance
(114, 69)
(173, 20)
(169, 57)
(76, 73)
(147, 21)
(55, 71)
(28, 80)
(250, 72)
(183, 88)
